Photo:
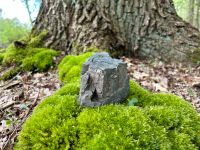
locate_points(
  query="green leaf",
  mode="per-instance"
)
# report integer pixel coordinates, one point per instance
(23, 106)
(8, 122)
(133, 101)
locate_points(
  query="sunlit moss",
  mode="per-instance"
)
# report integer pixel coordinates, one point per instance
(73, 63)
(41, 61)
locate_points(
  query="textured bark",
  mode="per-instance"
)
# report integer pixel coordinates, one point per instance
(149, 28)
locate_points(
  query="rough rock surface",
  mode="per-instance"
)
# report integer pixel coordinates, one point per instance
(103, 81)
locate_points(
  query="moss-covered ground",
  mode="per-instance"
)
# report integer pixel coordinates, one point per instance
(145, 120)
(27, 55)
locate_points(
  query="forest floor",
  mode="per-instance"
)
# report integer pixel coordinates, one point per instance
(20, 95)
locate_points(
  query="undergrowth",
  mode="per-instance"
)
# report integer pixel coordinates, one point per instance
(156, 121)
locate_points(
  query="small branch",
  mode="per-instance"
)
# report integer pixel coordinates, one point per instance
(7, 106)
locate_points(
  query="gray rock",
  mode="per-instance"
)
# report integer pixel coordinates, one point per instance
(103, 81)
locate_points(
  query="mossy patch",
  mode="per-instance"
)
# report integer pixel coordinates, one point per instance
(37, 41)
(159, 121)
(70, 67)
(41, 61)
(11, 72)
(79, 49)
(30, 56)
(1, 58)
(194, 55)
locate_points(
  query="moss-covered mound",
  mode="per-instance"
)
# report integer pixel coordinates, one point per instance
(28, 55)
(155, 121)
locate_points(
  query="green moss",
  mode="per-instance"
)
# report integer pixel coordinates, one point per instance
(10, 73)
(177, 120)
(69, 89)
(1, 58)
(52, 125)
(30, 57)
(160, 121)
(119, 127)
(70, 67)
(14, 55)
(41, 61)
(194, 55)
(79, 49)
(181, 141)
(137, 91)
(36, 41)
(163, 99)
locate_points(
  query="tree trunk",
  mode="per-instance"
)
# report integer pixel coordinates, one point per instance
(149, 28)
(196, 19)
(190, 16)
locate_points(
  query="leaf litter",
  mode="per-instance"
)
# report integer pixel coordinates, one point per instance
(177, 78)
(18, 97)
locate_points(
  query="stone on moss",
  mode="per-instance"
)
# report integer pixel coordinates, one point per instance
(103, 81)
(161, 121)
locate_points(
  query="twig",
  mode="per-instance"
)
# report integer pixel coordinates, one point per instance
(7, 106)
(8, 82)
(8, 85)
(23, 120)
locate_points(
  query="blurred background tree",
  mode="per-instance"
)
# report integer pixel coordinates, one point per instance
(11, 28)
(189, 10)
(31, 6)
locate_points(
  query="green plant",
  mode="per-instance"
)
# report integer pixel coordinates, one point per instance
(14, 55)
(69, 89)
(79, 49)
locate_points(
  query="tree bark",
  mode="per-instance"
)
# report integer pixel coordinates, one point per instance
(197, 15)
(190, 16)
(147, 28)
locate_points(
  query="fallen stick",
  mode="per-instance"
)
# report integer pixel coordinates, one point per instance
(23, 120)
(7, 106)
